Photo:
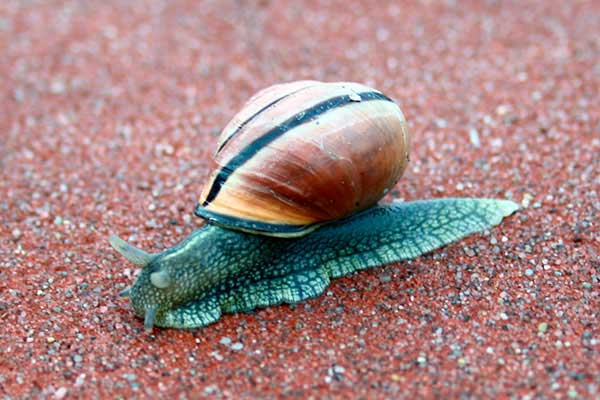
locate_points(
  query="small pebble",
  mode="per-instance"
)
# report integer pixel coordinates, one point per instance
(441, 123)
(572, 393)
(474, 137)
(237, 346)
(354, 96)
(16, 233)
(529, 272)
(130, 377)
(468, 251)
(60, 393)
(57, 86)
(502, 109)
(338, 369)
(526, 200)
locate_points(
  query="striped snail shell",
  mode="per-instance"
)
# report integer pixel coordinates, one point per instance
(302, 154)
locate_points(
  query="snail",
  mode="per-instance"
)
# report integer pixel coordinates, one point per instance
(293, 202)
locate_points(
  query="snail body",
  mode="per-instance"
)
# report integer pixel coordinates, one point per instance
(292, 203)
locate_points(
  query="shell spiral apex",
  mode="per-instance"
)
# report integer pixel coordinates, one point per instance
(302, 154)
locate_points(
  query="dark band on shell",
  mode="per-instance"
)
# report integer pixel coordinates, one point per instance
(302, 117)
(255, 102)
(301, 154)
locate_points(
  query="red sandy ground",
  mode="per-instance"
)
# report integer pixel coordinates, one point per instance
(108, 117)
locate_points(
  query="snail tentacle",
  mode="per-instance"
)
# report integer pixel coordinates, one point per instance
(150, 317)
(137, 256)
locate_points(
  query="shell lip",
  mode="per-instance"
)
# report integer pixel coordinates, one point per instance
(253, 226)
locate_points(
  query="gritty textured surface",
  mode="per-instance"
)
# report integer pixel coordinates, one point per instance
(110, 111)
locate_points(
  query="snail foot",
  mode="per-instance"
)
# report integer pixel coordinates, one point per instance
(195, 314)
(292, 288)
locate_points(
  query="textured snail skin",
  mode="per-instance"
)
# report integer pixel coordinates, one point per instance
(216, 270)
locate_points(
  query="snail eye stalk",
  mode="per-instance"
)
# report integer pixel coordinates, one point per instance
(137, 256)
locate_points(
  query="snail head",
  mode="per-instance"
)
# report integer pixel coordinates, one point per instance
(149, 294)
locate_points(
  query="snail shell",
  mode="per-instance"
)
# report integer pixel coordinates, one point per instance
(302, 154)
